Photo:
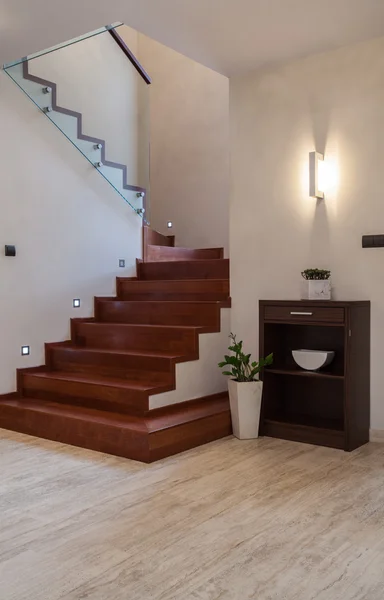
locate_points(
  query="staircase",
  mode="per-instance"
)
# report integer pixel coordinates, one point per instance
(114, 387)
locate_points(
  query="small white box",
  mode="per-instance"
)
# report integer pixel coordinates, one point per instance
(316, 289)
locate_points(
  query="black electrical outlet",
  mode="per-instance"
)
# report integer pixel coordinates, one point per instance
(373, 241)
(10, 250)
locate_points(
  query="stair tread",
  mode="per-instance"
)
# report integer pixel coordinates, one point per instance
(199, 327)
(157, 421)
(187, 260)
(147, 353)
(97, 380)
(184, 247)
(172, 281)
(141, 302)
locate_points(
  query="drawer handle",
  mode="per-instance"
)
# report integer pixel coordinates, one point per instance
(306, 314)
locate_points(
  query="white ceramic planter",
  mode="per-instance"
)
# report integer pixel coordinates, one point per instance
(245, 402)
(316, 289)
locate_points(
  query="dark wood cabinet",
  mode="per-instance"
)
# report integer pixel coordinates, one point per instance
(330, 407)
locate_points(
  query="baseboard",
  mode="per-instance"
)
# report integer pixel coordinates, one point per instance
(376, 435)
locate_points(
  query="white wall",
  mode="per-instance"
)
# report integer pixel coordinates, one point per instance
(95, 78)
(333, 103)
(70, 229)
(189, 160)
(198, 378)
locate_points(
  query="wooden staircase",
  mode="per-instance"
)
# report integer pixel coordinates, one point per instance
(95, 390)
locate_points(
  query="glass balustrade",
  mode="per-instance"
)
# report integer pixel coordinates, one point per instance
(95, 92)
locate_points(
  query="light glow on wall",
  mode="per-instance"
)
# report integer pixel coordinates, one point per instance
(329, 175)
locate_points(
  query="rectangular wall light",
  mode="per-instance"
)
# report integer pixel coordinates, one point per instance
(76, 303)
(315, 158)
(25, 350)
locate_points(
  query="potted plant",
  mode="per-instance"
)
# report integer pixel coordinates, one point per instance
(316, 284)
(245, 389)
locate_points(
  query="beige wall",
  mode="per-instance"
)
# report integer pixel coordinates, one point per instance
(95, 78)
(333, 103)
(70, 229)
(189, 147)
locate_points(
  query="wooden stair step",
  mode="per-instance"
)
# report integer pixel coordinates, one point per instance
(154, 238)
(190, 269)
(172, 253)
(180, 340)
(106, 393)
(113, 363)
(147, 438)
(184, 289)
(154, 312)
(79, 426)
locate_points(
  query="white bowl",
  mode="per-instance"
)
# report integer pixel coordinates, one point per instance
(313, 360)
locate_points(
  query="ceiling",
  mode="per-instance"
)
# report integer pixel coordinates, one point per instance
(230, 36)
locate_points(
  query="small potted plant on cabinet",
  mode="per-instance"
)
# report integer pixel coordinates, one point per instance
(245, 389)
(316, 284)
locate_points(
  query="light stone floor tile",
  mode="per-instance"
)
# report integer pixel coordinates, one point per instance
(233, 520)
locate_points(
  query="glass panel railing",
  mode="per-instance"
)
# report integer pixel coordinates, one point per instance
(100, 101)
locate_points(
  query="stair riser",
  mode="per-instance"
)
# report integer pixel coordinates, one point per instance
(105, 371)
(127, 408)
(208, 289)
(164, 253)
(174, 285)
(205, 269)
(67, 390)
(142, 368)
(94, 436)
(186, 437)
(159, 313)
(170, 297)
(112, 336)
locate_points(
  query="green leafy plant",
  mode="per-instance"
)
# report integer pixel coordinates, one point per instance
(242, 369)
(316, 274)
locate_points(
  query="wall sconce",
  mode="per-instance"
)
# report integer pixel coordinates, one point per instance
(316, 161)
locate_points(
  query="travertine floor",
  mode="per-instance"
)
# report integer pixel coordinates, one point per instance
(232, 520)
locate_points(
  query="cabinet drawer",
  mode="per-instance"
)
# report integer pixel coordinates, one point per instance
(295, 314)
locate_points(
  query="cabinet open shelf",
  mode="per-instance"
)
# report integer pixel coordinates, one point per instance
(327, 407)
(300, 373)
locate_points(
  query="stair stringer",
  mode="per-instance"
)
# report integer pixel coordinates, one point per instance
(202, 377)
